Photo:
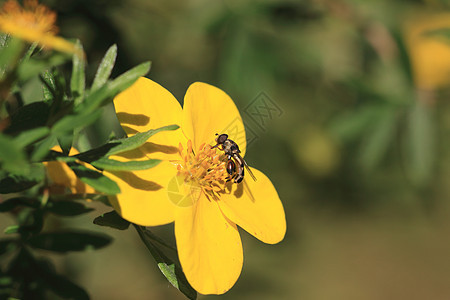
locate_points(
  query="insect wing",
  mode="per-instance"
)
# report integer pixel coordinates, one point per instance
(248, 168)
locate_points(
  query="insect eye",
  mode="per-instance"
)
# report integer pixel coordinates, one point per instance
(222, 138)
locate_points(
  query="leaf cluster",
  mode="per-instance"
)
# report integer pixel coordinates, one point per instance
(42, 131)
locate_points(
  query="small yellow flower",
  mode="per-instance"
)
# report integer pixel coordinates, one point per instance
(429, 54)
(189, 186)
(33, 23)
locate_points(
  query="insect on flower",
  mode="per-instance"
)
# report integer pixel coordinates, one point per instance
(232, 151)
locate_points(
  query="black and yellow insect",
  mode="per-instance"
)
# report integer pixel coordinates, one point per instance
(236, 164)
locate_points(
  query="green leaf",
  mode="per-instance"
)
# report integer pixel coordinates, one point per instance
(66, 241)
(115, 165)
(105, 68)
(113, 220)
(77, 81)
(137, 140)
(97, 180)
(15, 184)
(12, 229)
(104, 94)
(67, 208)
(12, 156)
(71, 122)
(65, 142)
(12, 203)
(7, 245)
(62, 286)
(9, 54)
(49, 85)
(125, 80)
(122, 145)
(29, 117)
(403, 55)
(421, 143)
(350, 126)
(40, 274)
(43, 148)
(172, 271)
(377, 141)
(30, 136)
(37, 65)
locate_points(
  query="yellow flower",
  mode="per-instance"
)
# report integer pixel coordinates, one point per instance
(33, 23)
(63, 177)
(189, 186)
(429, 54)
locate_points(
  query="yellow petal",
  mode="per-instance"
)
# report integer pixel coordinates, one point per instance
(147, 105)
(63, 176)
(429, 54)
(209, 247)
(143, 195)
(256, 207)
(208, 110)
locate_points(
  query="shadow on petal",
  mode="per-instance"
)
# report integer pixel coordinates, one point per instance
(136, 182)
(133, 119)
(129, 130)
(150, 147)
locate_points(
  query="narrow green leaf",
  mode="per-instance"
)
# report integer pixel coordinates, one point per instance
(9, 54)
(37, 65)
(30, 136)
(15, 184)
(65, 142)
(66, 159)
(376, 143)
(43, 148)
(71, 122)
(97, 180)
(172, 271)
(113, 220)
(60, 285)
(110, 89)
(12, 156)
(12, 229)
(67, 208)
(125, 80)
(115, 165)
(137, 140)
(12, 203)
(28, 117)
(105, 68)
(77, 81)
(421, 143)
(122, 145)
(49, 85)
(66, 241)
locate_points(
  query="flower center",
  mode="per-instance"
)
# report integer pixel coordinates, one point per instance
(205, 170)
(32, 16)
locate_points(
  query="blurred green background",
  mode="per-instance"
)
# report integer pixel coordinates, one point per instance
(357, 143)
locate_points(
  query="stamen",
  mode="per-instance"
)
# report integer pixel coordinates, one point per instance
(205, 169)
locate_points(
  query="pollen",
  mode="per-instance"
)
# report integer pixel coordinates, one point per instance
(205, 168)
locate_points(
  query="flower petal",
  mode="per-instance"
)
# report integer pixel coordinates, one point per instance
(209, 247)
(208, 110)
(143, 198)
(63, 176)
(256, 207)
(147, 105)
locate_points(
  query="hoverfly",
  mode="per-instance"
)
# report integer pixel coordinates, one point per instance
(235, 164)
